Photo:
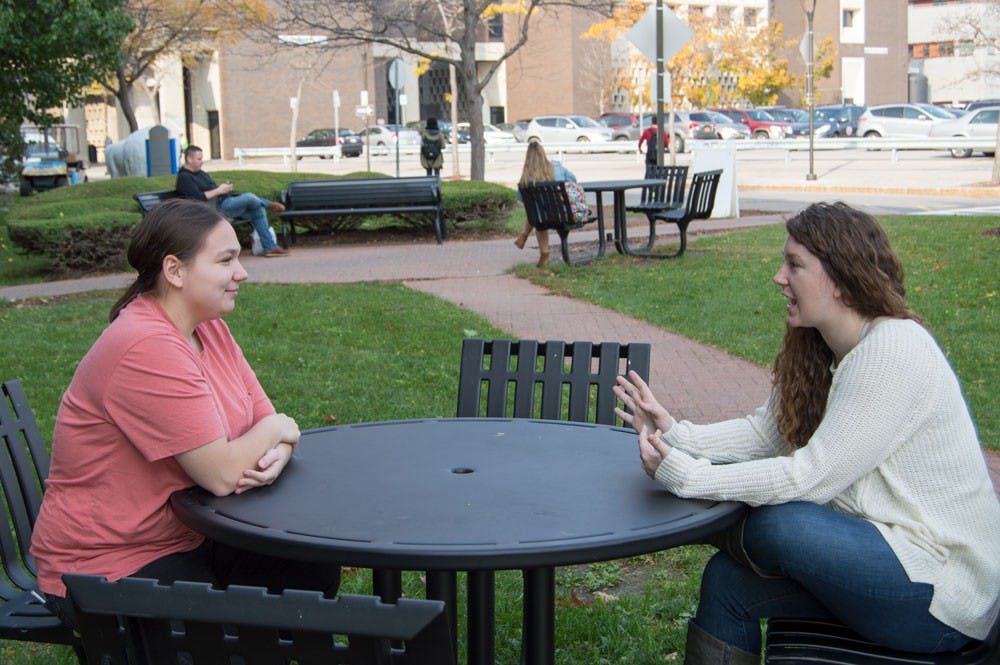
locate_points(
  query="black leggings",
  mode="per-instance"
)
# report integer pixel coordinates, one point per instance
(223, 565)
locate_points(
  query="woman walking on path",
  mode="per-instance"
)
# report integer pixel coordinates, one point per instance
(870, 500)
(432, 148)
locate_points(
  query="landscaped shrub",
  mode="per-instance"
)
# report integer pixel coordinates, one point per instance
(85, 228)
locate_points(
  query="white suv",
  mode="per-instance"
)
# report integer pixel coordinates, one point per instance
(901, 120)
(566, 129)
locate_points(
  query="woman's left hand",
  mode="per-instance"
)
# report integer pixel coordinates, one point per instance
(652, 450)
(269, 467)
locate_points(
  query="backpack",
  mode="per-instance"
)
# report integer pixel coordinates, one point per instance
(577, 201)
(430, 149)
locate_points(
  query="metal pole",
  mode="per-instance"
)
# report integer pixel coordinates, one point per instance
(399, 123)
(659, 84)
(810, 94)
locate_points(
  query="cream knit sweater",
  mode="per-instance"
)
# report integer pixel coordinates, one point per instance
(896, 446)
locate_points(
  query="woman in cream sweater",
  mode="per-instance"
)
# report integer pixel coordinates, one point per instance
(871, 503)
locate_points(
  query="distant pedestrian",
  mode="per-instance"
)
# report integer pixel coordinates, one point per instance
(649, 138)
(432, 148)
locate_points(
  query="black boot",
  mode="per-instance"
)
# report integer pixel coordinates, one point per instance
(705, 649)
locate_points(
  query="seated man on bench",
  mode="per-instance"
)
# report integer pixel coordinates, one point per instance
(193, 183)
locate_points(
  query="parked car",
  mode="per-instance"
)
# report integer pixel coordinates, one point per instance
(383, 136)
(761, 124)
(900, 120)
(444, 126)
(567, 129)
(979, 123)
(824, 125)
(492, 135)
(623, 126)
(845, 113)
(980, 103)
(722, 126)
(350, 143)
(682, 128)
(518, 128)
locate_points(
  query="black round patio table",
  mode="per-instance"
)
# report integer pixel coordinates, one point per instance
(462, 494)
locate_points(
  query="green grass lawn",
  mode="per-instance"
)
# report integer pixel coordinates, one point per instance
(352, 353)
(349, 353)
(721, 293)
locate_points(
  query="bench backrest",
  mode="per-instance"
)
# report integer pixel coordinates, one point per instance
(701, 197)
(138, 620)
(362, 193)
(547, 205)
(553, 380)
(149, 200)
(672, 190)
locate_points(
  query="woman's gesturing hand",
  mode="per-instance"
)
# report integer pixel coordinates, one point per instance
(652, 450)
(638, 398)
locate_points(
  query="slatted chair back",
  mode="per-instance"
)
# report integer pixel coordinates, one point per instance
(139, 622)
(670, 193)
(547, 206)
(552, 380)
(701, 197)
(24, 466)
(809, 642)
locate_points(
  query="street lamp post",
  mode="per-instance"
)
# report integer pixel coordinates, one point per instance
(810, 94)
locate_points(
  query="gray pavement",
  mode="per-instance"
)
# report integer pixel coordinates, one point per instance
(695, 381)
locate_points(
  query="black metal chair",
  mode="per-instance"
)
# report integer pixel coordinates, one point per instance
(547, 207)
(24, 466)
(700, 201)
(668, 196)
(808, 642)
(529, 379)
(551, 380)
(139, 622)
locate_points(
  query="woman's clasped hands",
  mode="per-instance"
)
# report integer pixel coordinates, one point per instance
(273, 462)
(647, 416)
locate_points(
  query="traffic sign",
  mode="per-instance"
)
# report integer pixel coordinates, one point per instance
(363, 110)
(643, 34)
(396, 74)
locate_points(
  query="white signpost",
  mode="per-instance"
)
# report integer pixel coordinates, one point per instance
(675, 35)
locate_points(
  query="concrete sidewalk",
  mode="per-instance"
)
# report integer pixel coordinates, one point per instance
(696, 381)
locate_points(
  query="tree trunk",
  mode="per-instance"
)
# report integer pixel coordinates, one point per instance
(474, 102)
(124, 96)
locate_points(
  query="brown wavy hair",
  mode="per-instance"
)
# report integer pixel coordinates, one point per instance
(855, 252)
(175, 227)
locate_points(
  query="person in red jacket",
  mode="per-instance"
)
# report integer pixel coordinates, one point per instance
(648, 137)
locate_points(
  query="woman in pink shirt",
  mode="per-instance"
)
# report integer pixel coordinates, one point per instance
(164, 400)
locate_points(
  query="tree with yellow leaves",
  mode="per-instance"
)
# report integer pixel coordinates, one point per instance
(725, 65)
(186, 28)
(616, 69)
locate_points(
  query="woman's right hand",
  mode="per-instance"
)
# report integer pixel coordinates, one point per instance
(645, 410)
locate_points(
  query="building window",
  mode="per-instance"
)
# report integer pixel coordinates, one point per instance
(696, 10)
(749, 17)
(848, 17)
(965, 47)
(494, 29)
(724, 14)
(932, 50)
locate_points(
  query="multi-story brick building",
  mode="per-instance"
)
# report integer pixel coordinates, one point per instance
(240, 96)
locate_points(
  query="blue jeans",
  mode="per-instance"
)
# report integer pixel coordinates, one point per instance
(250, 206)
(819, 564)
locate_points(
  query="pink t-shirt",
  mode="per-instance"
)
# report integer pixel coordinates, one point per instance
(139, 397)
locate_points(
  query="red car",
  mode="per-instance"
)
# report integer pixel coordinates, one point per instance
(762, 124)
